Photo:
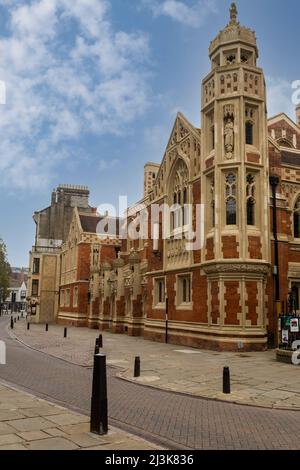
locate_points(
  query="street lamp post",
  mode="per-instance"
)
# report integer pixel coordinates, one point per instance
(274, 181)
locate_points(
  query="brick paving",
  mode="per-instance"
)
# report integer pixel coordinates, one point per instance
(257, 379)
(173, 420)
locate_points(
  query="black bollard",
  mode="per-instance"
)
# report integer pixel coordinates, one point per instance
(99, 414)
(28, 326)
(100, 341)
(97, 349)
(65, 332)
(137, 367)
(97, 342)
(226, 380)
(47, 327)
(15, 320)
(22, 315)
(12, 323)
(18, 318)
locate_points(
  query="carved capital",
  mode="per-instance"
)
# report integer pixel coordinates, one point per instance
(228, 111)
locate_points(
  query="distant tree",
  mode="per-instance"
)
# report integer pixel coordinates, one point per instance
(4, 272)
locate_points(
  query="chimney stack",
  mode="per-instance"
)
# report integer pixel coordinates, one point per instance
(298, 114)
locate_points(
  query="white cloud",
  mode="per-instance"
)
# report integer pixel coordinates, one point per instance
(105, 165)
(193, 15)
(68, 73)
(279, 97)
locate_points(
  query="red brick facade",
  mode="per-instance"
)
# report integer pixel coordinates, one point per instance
(230, 247)
(220, 295)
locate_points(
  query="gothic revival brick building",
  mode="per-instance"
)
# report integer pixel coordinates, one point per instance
(245, 170)
(80, 265)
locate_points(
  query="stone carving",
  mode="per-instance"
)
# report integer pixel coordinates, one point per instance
(185, 147)
(183, 132)
(179, 133)
(233, 14)
(238, 268)
(113, 283)
(229, 131)
(229, 138)
(173, 140)
(291, 189)
(96, 250)
(177, 253)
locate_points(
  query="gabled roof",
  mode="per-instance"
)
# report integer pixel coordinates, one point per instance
(89, 222)
(180, 118)
(17, 284)
(283, 117)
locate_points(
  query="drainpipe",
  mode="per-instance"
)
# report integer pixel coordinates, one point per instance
(274, 181)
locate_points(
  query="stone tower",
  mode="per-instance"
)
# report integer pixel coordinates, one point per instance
(235, 187)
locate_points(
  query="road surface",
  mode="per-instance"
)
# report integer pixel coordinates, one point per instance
(172, 420)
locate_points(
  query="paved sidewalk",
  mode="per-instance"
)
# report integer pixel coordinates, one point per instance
(29, 423)
(257, 378)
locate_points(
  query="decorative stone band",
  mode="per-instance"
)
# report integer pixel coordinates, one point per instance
(237, 268)
(205, 336)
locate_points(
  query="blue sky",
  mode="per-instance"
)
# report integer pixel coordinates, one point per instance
(93, 87)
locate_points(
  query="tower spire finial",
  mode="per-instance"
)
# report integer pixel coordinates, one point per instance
(233, 13)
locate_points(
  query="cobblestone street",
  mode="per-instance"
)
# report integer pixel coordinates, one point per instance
(257, 379)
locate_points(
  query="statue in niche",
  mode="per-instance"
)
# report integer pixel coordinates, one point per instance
(229, 137)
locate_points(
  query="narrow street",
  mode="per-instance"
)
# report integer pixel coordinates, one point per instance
(172, 420)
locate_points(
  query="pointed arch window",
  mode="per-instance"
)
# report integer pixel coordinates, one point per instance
(231, 211)
(212, 130)
(249, 133)
(180, 199)
(231, 202)
(251, 201)
(250, 119)
(212, 202)
(297, 219)
(185, 201)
